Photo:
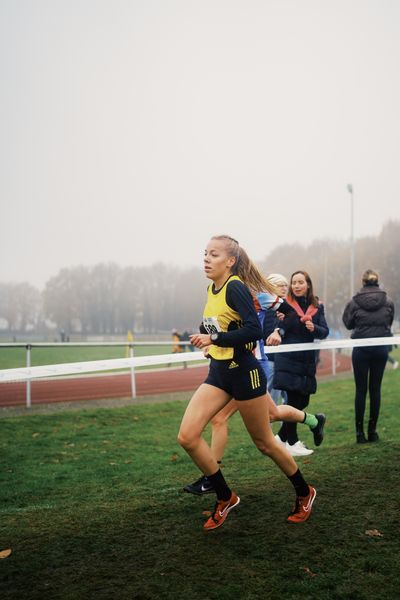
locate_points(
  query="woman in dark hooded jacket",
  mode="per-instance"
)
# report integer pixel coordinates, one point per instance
(295, 371)
(370, 314)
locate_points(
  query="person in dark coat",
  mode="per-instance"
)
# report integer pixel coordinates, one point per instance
(369, 314)
(295, 371)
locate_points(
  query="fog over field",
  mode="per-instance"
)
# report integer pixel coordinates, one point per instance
(132, 131)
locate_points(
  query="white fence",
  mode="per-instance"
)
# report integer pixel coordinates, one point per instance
(28, 373)
(24, 374)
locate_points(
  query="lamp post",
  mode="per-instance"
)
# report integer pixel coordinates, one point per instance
(350, 190)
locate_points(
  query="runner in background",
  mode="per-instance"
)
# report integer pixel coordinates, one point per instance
(272, 323)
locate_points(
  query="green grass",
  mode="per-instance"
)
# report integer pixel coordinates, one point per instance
(11, 358)
(91, 506)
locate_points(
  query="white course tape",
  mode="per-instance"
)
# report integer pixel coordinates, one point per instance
(23, 374)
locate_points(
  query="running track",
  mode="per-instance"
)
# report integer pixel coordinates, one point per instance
(97, 387)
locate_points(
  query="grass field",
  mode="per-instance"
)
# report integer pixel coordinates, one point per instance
(11, 358)
(92, 507)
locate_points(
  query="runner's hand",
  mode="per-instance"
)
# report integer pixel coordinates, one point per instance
(200, 340)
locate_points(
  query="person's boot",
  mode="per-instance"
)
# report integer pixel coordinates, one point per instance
(372, 435)
(360, 435)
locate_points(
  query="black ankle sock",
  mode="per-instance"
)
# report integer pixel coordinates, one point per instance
(299, 483)
(292, 440)
(220, 486)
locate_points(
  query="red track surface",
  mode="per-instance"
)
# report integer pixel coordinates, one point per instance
(119, 386)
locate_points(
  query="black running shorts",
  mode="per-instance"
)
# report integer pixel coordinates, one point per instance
(243, 378)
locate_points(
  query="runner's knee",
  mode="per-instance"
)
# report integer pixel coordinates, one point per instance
(274, 414)
(265, 447)
(219, 421)
(187, 439)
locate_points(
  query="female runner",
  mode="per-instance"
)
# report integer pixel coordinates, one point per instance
(264, 304)
(231, 329)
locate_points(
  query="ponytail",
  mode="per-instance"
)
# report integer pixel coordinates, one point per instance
(245, 268)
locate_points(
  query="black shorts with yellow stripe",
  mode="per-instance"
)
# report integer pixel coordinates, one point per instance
(242, 378)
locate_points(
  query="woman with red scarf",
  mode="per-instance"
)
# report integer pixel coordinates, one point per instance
(295, 371)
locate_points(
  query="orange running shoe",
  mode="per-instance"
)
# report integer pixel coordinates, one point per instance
(302, 509)
(221, 510)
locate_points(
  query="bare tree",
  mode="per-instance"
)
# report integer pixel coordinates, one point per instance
(19, 305)
(108, 299)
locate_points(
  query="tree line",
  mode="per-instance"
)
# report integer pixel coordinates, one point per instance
(108, 299)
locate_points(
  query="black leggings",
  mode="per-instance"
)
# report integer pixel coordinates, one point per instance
(368, 365)
(288, 431)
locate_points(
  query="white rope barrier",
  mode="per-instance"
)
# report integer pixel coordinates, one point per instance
(125, 344)
(29, 373)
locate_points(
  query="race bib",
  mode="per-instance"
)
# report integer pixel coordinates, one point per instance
(211, 325)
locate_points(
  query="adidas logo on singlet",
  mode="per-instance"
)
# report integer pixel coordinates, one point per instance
(233, 365)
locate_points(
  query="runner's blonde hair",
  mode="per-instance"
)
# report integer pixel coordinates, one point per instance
(245, 268)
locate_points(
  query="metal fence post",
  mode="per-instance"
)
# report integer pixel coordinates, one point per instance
(133, 380)
(333, 361)
(28, 381)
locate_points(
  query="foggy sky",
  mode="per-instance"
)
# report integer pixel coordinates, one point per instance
(131, 131)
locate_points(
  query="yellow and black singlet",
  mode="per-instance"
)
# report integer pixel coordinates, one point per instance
(230, 312)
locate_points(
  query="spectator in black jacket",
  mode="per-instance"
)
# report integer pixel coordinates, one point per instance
(370, 314)
(295, 371)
